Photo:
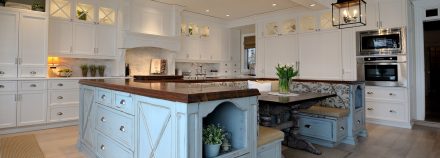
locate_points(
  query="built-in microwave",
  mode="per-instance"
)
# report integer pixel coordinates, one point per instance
(388, 71)
(390, 41)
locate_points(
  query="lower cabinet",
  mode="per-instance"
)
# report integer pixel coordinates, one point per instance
(32, 103)
(108, 148)
(8, 106)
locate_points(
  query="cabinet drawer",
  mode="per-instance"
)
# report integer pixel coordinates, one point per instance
(389, 93)
(386, 111)
(359, 120)
(107, 148)
(124, 103)
(32, 85)
(104, 97)
(33, 72)
(63, 84)
(322, 129)
(8, 86)
(8, 71)
(66, 113)
(59, 97)
(117, 125)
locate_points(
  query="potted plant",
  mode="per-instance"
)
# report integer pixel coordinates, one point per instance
(84, 70)
(212, 139)
(101, 70)
(92, 69)
(38, 6)
(65, 73)
(285, 74)
(82, 15)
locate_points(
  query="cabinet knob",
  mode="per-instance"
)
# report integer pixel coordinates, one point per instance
(33, 73)
(122, 129)
(102, 147)
(370, 93)
(358, 121)
(370, 109)
(122, 102)
(2, 72)
(60, 85)
(342, 128)
(33, 85)
(392, 111)
(103, 119)
(391, 94)
(103, 97)
(308, 126)
(1, 86)
(60, 97)
(60, 113)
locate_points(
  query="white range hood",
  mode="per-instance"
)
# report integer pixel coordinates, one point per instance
(137, 40)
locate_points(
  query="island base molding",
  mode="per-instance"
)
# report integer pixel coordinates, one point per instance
(399, 124)
(37, 127)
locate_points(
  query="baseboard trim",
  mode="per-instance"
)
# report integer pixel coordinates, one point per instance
(390, 123)
(427, 123)
(37, 127)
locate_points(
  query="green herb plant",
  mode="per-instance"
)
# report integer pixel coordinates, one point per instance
(92, 69)
(213, 134)
(84, 70)
(101, 70)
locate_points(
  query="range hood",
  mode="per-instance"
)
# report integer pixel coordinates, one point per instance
(137, 40)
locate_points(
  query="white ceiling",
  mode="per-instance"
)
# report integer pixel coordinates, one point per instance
(237, 8)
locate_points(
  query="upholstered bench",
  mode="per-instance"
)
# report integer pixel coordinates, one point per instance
(269, 142)
(323, 125)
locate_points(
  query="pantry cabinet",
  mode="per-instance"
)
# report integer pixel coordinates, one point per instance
(23, 43)
(280, 50)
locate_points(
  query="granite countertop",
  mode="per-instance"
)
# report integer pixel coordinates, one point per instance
(173, 91)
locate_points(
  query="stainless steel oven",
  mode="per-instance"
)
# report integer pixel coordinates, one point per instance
(381, 42)
(389, 71)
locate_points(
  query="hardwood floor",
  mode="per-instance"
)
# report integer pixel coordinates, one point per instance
(383, 141)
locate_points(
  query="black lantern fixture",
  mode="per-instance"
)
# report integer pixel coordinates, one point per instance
(349, 13)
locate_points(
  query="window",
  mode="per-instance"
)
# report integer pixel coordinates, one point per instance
(249, 52)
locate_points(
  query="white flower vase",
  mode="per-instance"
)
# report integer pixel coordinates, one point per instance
(211, 150)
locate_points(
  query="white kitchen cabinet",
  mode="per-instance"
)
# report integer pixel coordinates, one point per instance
(319, 21)
(84, 38)
(32, 107)
(280, 50)
(320, 55)
(8, 43)
(8, 109)
(60, 36)
(385, 14)
(105, 40)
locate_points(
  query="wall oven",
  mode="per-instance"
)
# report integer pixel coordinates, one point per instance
(389, 71)
(381, 42)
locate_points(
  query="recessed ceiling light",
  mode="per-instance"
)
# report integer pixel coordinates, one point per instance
(207, 10)
(312, 5)
(228, 15)
(274, 4)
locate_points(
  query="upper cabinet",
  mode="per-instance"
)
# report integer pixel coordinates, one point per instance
(23, 43)
(83, 28)
(316, 22)
(385, 14)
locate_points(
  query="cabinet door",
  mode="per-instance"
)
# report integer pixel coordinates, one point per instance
(391, 12)
(33, 40)
(8, 43)
(8, 110)
(308, 23)
(84, 39)
(60, 37)
(320, 55)
(32, 108)
(106, 40)
(60, 9)
(87, 113)
(279, 50)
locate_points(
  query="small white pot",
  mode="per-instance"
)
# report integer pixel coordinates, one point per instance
(211, 150)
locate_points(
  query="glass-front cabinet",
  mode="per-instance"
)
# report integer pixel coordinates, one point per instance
(282, 27)
(316, 22)
(60, 9)
(98, 12)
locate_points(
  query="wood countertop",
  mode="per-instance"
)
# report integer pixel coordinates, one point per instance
(173, 91)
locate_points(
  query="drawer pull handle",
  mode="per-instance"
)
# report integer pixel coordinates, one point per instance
(102, 147)
(370, 93)
(2, 72)
(60, 113)
(1, 86)
(60, 97)
(60, 85)
(103, 119)
(370, 109)
(342, 128)
(33, 85)
(308, 126)
(103, 97)
(122, 102)
(392, 111)
(33, 72)
(358, 121)
(122, 129)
